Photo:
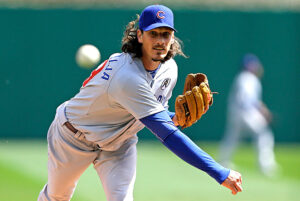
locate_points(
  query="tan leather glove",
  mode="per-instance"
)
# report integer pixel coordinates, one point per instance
(195, 100)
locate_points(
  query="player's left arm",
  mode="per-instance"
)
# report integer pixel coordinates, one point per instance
(264, 110)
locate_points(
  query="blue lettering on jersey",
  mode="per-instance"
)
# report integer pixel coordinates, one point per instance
(161, 98)
(108, 68)
(105, 76)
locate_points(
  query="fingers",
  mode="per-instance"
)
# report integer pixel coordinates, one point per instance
(206, 95)
(238, 186)
(199, 102)
(234, 187)
(196, 104)
(238, 183)
(191, 105)
(197, 97)
(200, 77)
(233, 182)
(179, 110)
(234, 191)
(190, 82)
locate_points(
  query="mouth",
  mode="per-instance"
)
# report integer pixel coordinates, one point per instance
(159, 48)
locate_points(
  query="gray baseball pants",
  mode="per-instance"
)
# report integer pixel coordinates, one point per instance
(69, 155)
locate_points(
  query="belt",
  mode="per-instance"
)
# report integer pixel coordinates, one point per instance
(70, 127)
(74, 130)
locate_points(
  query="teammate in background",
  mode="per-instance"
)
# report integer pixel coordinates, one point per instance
(128, 91)
(248, 114)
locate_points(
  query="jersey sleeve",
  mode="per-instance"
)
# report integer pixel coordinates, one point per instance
(134, 94)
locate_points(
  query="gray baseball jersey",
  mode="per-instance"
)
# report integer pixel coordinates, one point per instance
(106, 112)
(118, 93)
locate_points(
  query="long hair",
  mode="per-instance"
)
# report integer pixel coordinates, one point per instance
(130, 43)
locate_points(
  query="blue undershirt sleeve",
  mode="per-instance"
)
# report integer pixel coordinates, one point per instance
(171, 114)
(164, 129)
(160, 124)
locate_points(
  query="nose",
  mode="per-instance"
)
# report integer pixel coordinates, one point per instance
(161, 40)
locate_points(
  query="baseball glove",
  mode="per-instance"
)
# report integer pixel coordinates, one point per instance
(195, 100)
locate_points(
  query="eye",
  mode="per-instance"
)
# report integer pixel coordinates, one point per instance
(166, 34)
(153, 34)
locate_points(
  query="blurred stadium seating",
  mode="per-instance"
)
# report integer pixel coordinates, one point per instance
(292, 5)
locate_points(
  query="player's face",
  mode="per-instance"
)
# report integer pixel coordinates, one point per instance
(156, 43)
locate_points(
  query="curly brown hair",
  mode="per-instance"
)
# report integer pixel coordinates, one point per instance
(130, 43)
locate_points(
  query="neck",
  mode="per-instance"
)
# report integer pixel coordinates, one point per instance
(149, 64)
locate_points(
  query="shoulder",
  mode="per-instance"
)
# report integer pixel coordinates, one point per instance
(169, 69)
(124, 66)
(129, 68)
(244, 77)
(118, 59)
(171, 63)
(248, 77)
(129, 73)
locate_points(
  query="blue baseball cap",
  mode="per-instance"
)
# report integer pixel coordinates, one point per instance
(251, 62)
(155, 16)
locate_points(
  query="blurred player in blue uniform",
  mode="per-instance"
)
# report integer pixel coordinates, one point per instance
(247, 114)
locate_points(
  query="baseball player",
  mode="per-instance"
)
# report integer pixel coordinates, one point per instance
(248, 114)
(127, 92)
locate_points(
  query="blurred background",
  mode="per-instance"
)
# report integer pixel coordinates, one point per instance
(38, 43)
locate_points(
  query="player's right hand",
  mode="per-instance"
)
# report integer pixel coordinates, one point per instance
(233, 182)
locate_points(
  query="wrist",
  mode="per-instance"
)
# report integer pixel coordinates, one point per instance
(175, 121)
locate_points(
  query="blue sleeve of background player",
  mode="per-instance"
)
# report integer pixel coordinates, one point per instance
(164, 129)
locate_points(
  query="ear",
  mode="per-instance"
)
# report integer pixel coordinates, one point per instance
(139, 36)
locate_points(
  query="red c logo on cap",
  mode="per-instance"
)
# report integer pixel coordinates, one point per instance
(160, 14)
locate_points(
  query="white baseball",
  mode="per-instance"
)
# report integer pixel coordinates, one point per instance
(88, 56)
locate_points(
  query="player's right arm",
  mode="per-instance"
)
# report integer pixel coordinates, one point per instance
(131, 90)
(164, 129)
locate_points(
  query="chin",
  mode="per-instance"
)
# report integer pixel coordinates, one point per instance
(158, 59)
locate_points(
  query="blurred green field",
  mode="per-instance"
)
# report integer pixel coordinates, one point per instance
(161, 175)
